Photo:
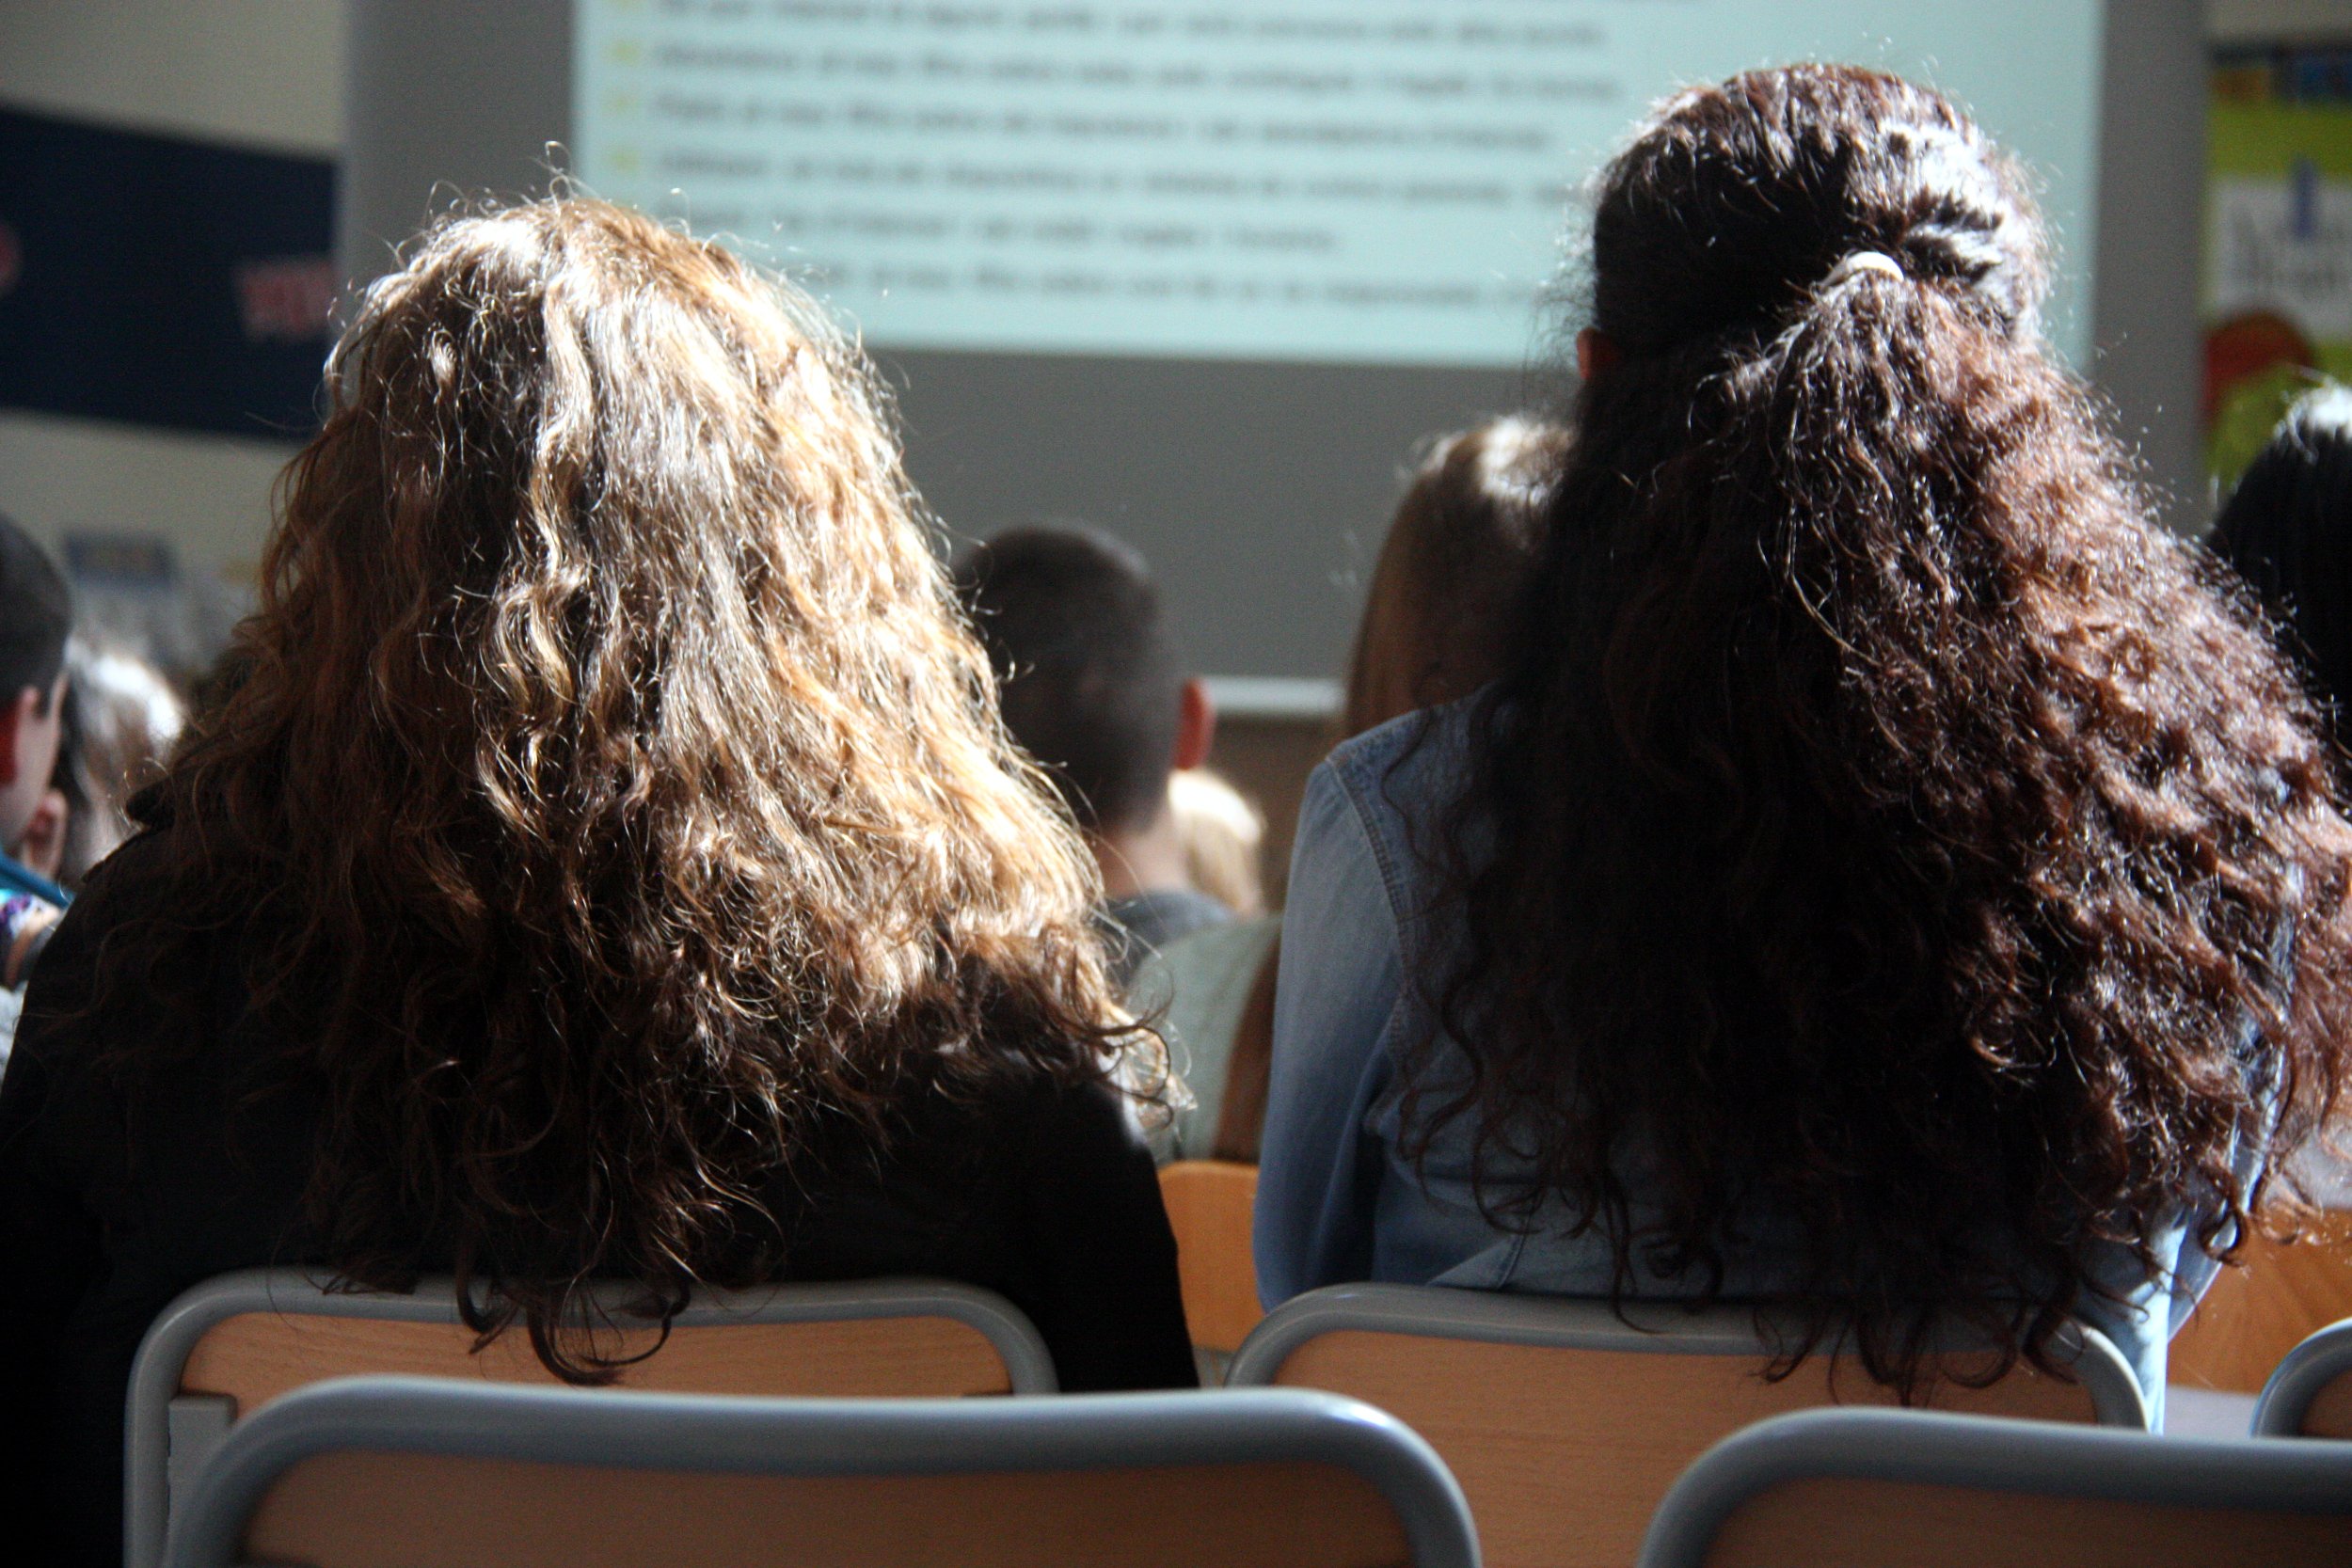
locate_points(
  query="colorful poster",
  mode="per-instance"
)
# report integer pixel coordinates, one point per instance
(2277, 304)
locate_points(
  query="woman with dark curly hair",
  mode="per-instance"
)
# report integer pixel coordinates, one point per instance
(1893, 881)
(608, 866)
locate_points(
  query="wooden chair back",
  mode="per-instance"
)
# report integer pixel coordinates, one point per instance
(1565, 1426)
(2311, 1393)
(2280, 1293)
(232, 1345)
(1209, 1206)
(530, 1478)
(1912, 1489)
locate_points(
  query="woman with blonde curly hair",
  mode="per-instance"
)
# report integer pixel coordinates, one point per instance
(608, 866)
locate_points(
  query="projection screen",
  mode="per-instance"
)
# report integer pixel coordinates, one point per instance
(1206, 272)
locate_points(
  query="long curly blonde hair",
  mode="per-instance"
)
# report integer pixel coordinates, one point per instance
(612, 809)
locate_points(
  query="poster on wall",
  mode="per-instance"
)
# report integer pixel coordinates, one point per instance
(2277, 296)
(157, 281)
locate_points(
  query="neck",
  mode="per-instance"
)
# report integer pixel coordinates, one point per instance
(1140, 860)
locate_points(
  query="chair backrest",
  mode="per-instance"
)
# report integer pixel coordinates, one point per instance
(548, 1478)
(1209, 1204)
(1565, 1425)
(2311, 1393)
(232, 1344)
(1914, 1489)
(2279, 1295)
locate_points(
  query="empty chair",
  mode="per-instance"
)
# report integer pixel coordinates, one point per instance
(1912, 1489)
(2311, 1393)
(420, 1473)
(234, 1343)
(1209, 1203)
(1565, 1425)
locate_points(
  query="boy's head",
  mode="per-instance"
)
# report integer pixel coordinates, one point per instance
(36, 614)
(1088, 669)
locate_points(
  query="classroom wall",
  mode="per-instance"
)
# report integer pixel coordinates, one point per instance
(264, 74)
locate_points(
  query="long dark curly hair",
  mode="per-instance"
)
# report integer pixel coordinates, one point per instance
(1898, 834)
(610, 807)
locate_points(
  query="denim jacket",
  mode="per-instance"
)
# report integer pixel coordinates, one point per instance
(1338, 1202)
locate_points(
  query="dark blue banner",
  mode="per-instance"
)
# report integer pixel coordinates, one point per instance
(162, 281)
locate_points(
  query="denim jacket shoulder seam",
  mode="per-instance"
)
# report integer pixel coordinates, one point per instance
(1382, 856)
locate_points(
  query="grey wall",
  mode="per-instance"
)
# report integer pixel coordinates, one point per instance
(2147, 340)
(1259, 492)
(446, 100)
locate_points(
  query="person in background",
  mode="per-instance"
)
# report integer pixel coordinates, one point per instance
(1195, 988)
(1457, 553)
(2288, 531)
(36, 618)
(1223, 835)
(121, 719)
(1886, 880)
(1092, 687)
(1456, 557)
(41, 847)
(609, 864)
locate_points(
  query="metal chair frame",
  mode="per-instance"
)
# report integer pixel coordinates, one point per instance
(1661, 1327)
(169, 1437)
(2035, 1458)
(2306, 1369)
(821, 1438)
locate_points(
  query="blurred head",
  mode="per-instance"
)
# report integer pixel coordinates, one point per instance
(2288, 531)
(1223, 835)
(1088, 669)
(121, 719)
(616, 802)
(1456, 553)
(1896, 832)
(36, 616)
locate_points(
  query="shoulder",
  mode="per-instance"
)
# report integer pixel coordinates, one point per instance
(1204, 967)
(125, 880)
(1038, 1117)
(1075, 1154)
(1428, 747)
(63, 1000)
(1411, 769)
(126, 883)
(1146, 923)
(1386, 797)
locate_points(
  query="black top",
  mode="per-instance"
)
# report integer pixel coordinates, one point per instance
(111, 1205)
